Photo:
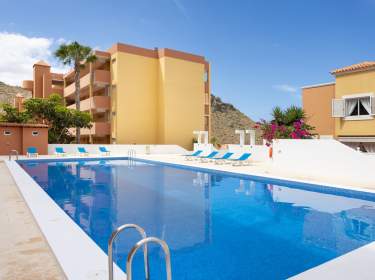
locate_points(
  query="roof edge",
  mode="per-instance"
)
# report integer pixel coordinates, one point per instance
(319, 85)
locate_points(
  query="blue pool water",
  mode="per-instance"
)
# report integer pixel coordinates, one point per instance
(217, 225)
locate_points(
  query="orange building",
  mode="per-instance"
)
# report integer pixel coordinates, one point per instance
(17, 136)
(136, 95)
(345, 109)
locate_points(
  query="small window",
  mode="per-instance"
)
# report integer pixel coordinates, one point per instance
(358, 106)
(35, 133)
(113, 60)
(7, 133)
(205, 77)
(114, 114)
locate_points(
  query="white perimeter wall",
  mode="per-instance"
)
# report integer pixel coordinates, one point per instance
(117, 149)
(323, 159)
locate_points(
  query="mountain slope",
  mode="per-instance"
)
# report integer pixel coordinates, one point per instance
(7, 93)
(225, 120)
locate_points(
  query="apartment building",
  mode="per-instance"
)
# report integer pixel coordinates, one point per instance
(345, 108)
(136, 95)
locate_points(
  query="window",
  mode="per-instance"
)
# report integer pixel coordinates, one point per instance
(7, 133)
(205, 76)
(358, 106)
(354, 107)
(35, 133)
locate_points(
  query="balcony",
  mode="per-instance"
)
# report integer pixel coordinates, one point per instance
(99, 129)
(101, 79)
(95, 103)
(57, 89)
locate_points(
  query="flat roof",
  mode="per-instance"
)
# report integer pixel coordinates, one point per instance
(318, 85)
(8, 124)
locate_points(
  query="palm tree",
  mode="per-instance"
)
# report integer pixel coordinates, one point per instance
(76, 55)
(288, 116)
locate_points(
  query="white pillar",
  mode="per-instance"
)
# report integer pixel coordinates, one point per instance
(198, 134)
(205, 137)
(251, 132)
(242, 136)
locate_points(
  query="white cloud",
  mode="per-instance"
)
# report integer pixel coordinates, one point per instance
(181, 8)
(286, 88)
(19, 53)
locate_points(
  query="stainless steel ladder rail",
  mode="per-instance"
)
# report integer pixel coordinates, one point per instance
(13, 152)
(142, 232)
(131, 155)
(144, 242)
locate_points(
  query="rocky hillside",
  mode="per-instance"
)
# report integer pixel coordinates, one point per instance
(225, 120)
(7, 93)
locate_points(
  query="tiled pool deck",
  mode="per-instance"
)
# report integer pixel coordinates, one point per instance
(25, 253)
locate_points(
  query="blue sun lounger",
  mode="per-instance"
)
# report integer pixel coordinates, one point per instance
(82, 151)
(193, 155)
(221, 160)
(32, 152)
(59, 151)
(208, 157)
(104, 151)
(242, 160)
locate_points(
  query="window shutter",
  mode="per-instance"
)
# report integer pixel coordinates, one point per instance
(338, 108)
(372, 103)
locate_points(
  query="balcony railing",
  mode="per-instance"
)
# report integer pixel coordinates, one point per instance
(95, 103)
(101, 78)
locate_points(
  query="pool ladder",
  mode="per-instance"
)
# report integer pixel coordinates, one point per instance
(13, 152)
(142, 243)
(131, 155)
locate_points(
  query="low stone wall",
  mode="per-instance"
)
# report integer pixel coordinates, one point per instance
(118, 149)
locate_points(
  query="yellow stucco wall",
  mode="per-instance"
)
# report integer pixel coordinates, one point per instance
(156, 100)
(355, 83)
(181, 101)
(135, 99)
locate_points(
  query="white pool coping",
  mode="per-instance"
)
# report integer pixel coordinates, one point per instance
(81, 258)
(77, 254)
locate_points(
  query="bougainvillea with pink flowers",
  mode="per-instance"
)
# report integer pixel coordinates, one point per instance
(286, 124)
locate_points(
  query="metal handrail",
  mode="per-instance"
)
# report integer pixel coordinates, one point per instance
(144, 242)
(142, 232)
(132, 153)
(13, 152)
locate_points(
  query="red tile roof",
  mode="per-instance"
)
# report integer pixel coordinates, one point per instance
(362, 66)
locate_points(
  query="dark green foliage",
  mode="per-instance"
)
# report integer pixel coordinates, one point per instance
(50, 111)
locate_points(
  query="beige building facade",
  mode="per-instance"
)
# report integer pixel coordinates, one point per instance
(136, 95)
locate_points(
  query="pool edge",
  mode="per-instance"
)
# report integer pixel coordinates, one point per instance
(77, 254)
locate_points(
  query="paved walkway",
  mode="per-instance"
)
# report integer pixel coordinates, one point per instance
(24, 253)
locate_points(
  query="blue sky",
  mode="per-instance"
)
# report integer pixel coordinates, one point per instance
(261, 52)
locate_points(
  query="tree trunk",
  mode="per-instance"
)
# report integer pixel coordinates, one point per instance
(77, 71)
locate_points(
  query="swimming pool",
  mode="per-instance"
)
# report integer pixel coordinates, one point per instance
(217, 225)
